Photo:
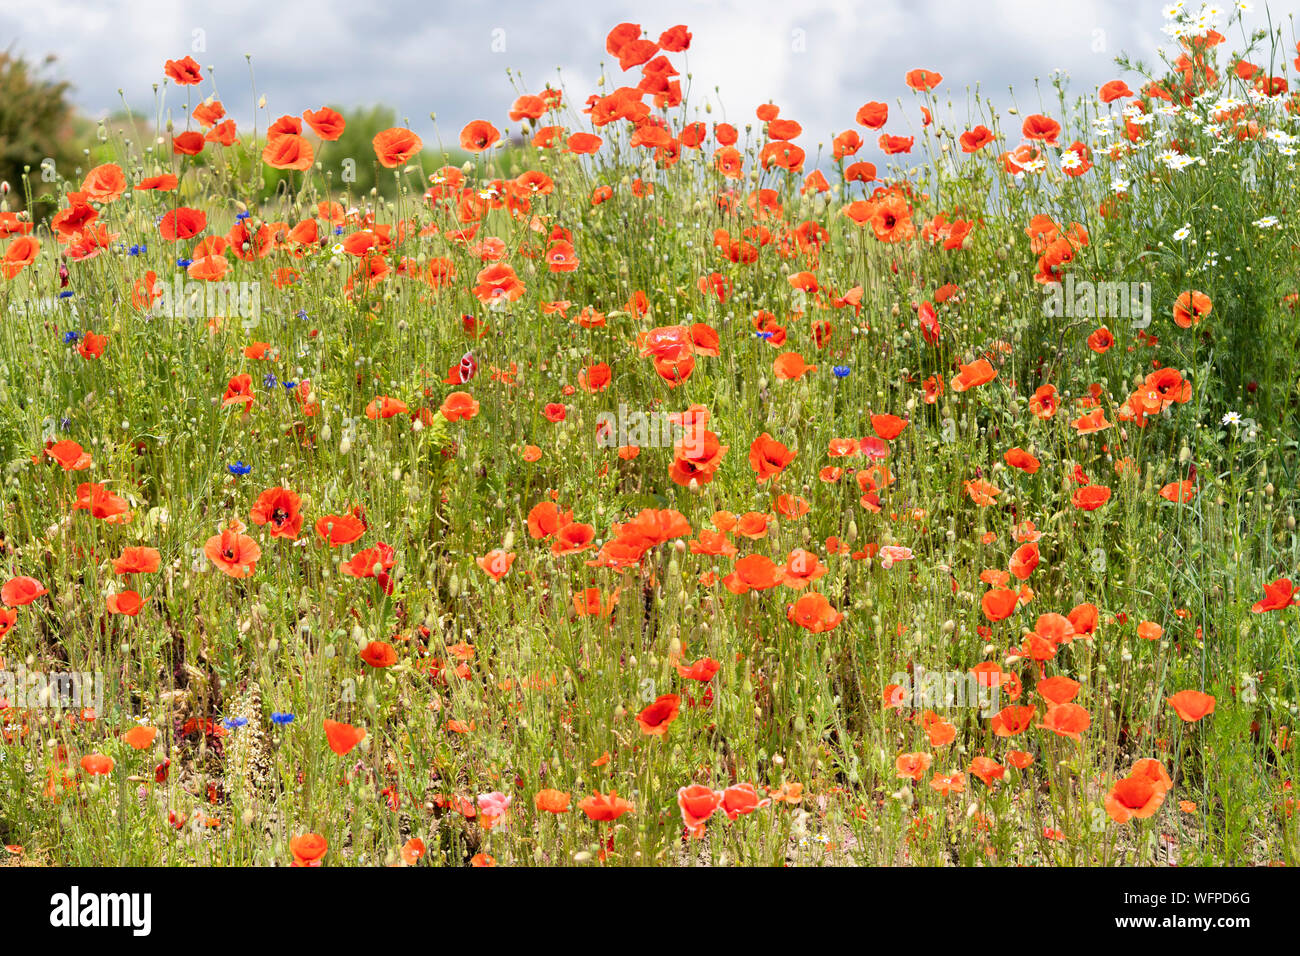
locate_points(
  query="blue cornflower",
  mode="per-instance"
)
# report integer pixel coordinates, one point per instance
(269, 381)
(137, 250)
(185, 263)
(70, 337)
(301, 314)
(65, 294)
(280, 718)
(841, 371)
(234, 723)
(239, 468)
(764, 335)
(289, 386)
(242, 216)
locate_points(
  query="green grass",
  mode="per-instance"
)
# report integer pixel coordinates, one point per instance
(502, 686)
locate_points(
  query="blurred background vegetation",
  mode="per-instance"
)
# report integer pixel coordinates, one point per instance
(38, 122)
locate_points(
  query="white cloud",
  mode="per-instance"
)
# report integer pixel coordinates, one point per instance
(421, 60)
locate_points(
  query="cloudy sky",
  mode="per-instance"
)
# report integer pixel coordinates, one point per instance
(819, 60)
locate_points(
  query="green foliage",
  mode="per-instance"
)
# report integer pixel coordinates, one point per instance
(35, 122)
(507, 680)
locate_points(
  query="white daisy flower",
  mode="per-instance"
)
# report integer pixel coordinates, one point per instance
(1178, 161)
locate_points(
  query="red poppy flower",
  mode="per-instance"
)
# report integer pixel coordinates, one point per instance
(343, 737)
(184, 72)
(395, 146)
(656, 719)
(1192, 705)
(279, 508)
(308, 849)
(478, 136)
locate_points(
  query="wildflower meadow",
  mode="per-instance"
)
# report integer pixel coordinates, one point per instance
(630, 481)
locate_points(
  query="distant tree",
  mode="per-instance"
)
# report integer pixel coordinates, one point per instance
(245, 164)
(355, 144)
(363, 123)
(36, 121)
